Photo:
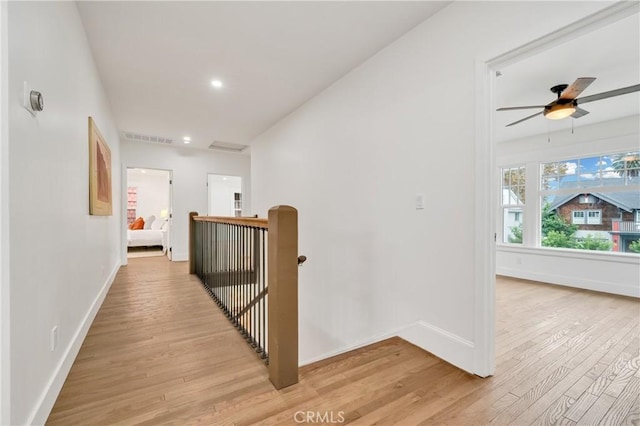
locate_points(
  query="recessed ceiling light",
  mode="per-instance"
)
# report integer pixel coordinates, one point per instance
(186, 139)
(216, 83)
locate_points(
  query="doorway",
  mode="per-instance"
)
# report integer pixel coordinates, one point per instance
(224, 195)
(491, 195)
(148, 212)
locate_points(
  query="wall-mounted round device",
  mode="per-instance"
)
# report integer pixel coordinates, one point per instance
(37, 101)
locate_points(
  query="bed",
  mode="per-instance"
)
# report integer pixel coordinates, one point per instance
(145, 237)
(156, 235)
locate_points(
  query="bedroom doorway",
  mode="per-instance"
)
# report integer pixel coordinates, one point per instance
(148, 212)
(224, 195)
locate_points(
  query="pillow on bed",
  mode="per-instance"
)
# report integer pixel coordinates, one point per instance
(137, 224)
(149, 221)
(158, 224)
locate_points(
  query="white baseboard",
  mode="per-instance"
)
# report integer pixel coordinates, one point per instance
(451, 348)
(569, 281)
(448, 346)
(40, 414)
(179, 257)
(348, 348)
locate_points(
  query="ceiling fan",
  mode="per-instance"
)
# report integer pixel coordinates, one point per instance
(566, 105)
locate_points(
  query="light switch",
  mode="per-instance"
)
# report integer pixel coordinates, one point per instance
(419, 201)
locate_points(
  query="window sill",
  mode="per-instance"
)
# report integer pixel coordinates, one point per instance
(627, 258)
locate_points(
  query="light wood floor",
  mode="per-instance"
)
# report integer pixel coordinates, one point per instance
(160, 352)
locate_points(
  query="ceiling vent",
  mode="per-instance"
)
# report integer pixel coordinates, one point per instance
(137, 137)
(226, 146)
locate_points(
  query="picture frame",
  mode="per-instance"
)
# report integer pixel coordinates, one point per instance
(100, 191)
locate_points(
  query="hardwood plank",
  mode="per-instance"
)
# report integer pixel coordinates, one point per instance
(161, 352)
(621, 406)
(554, 414)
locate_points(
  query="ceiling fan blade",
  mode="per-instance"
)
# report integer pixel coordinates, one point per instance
(520, 107)
(524, 119)
(609, 94)
(577, 87)
(579, 113)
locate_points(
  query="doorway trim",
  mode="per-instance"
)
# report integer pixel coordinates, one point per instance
(487, 176)
(5, 284)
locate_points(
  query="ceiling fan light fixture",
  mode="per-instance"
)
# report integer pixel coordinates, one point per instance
(558, 112)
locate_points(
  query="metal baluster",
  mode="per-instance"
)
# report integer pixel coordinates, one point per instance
(240, 272)
(224, 243)
(251, 289)
(207, 279)
(233, 298)
(238, 277)
(243, 272)
(230, 261)
(264, 307)
(235, 275)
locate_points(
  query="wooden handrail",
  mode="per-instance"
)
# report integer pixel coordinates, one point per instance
(246, 221)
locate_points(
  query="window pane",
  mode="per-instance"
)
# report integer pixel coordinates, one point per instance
(512, 222)
(590, 165)
(521, 194)
(567, 167)
(589, 179)
(513, 198)
(571, 221)
(549, 169)
(570, 181)
(549, 182)
(611, 177)
(593, 217)
(633, 176)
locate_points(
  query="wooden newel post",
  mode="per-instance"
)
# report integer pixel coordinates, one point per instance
(283, 296)
(192, 243)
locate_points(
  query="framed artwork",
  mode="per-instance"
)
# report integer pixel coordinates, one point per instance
(100, 195)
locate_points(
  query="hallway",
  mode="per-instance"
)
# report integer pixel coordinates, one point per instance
(161, 352)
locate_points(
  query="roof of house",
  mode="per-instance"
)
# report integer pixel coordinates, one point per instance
(629, 200)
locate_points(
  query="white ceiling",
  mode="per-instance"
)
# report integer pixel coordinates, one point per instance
(611, 54)
(157, 59)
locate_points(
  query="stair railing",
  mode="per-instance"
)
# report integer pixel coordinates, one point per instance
(249, 266)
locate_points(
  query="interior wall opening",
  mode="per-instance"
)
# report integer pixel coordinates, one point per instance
(148, 212)
(224, 195)
(545, 169)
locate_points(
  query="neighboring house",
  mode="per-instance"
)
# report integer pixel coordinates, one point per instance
(614, 216)
(512, 215)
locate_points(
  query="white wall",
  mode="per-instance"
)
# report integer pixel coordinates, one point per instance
(190, 169)
(608, 272)
(152, 194)
(352, 160)
(62, 259)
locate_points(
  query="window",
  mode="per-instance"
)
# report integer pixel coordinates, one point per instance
(599, 191)
(578, 217)
(513, 198)
(586, 217)
(605, 170)
(594, 217)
